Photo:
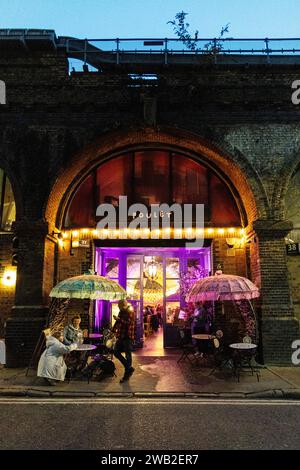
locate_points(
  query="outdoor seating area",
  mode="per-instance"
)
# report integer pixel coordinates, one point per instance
(212, 351)
(207, 333)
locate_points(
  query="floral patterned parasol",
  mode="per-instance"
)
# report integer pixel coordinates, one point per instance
(89, 286)
(222, 287)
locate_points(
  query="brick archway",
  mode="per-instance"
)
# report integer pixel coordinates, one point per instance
(233, 165)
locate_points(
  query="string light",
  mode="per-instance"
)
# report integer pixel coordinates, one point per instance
(189, 232)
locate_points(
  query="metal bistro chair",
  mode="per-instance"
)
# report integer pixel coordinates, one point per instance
(222, 354)
(188, 349)
(247, 339)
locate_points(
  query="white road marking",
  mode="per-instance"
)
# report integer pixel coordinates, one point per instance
(143, 401)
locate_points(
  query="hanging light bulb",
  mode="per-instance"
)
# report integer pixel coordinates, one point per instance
(152, 269)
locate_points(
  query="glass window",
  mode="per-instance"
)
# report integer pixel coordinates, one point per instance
(81, 212)
(172, 288)
(151, 173)
(223, 207)
(193, 265)
(190, 182)
(112, 268)
(172, 268)
(7, 203)
(133, 289)
(133, 283)
(114, 179)
(133, 267)
(153, 177)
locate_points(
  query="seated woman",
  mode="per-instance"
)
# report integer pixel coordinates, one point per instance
(72, 332)
(52, 366)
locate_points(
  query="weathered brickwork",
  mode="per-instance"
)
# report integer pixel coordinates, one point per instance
(232, 261)
(55, 127)
(294, 278)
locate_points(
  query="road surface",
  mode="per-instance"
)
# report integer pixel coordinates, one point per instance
(161, 424)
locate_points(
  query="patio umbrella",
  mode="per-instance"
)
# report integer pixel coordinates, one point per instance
(222, 287)
(89, 286)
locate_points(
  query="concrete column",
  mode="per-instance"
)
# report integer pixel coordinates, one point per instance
(269, 271)
(29, 313)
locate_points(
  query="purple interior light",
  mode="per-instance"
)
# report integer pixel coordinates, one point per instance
(103, 308)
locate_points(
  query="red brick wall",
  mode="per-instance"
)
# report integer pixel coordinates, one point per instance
(233, 261)
(293, 264)
(49, 268)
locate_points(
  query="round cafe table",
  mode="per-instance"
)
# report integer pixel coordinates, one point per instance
(81, 358)
(85, 347)
(95, 335)
(203, 336)
(243, 346)
(201, 339)
(242, 356)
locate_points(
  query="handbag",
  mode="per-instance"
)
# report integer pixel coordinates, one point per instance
(110, 343)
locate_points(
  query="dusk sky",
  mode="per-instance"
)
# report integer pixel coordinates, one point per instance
(143, 18)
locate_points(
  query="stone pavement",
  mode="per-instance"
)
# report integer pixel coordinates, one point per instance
(164, 377)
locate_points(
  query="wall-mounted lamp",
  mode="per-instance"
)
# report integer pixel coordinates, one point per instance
(235, 242)
(9, 278)
(231, 242)
(59, 237)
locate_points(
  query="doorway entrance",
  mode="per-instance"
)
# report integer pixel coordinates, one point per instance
(156, 280)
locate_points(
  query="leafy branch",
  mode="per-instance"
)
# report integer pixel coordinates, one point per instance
(181, 30)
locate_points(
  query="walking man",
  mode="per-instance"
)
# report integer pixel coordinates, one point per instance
(124, 331)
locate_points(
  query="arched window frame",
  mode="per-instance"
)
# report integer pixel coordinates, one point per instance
(132, 196)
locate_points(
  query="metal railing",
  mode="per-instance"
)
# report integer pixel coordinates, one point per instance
(166, 50)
